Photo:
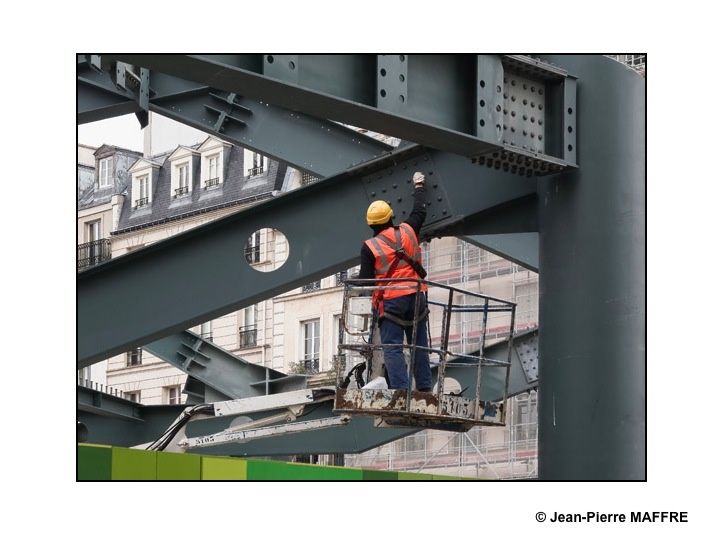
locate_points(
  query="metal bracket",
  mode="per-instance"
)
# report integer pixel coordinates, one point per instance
(392, 85)
(226, 115)
(527, 351)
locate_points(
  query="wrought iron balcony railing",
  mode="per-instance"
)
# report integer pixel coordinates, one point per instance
(210, 182)
(92, 253)
(248, 336)
(141, 202)
(309, 287)
(255, 171)
(311, 365)
(181, 191)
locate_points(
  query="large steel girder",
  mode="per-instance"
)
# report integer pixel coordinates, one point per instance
(147, 294)
(505, 111)
(318, 146)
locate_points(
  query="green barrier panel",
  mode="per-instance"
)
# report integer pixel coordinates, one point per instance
(214, 468)
(278, 470)
(414, 476)
(128, 464)
(379, 475)
(171, 466)
(94, 462)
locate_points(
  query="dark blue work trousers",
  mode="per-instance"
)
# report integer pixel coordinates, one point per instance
(392, 333)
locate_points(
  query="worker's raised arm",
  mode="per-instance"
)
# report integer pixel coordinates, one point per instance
(417, 216)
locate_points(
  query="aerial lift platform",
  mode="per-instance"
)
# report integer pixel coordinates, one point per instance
(361, 352)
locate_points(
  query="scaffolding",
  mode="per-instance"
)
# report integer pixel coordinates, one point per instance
(483, 452)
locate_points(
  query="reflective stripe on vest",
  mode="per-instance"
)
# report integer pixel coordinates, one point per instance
(383, 247)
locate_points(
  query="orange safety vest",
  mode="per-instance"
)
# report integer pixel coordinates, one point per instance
(383, 246)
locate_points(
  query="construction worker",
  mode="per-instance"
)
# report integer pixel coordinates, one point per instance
(394, 252)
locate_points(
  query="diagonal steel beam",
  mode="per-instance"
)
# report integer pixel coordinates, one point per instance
(310, 144)
(219, 369)
(152, 296)
(457, 103)
(520, 248)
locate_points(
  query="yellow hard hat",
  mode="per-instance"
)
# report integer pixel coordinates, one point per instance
(379, 212)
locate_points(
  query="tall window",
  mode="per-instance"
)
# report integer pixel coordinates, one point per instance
(257, 164)
(213, 169)
(133, 396)
(248, 331)
(173, 395)
(143, 190)
(183, 179)
(104, 177)
(252, 248)
(134, 357)
(311, 340)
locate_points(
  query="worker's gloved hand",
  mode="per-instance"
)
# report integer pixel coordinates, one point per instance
(419, 179)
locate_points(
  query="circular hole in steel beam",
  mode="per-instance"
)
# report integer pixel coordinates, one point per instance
(482, 84)
(402, 98)
(383, 93)
(383, 72)
(402, 78)
(569, 110)
(266, 250)
(570, 147)
(569, 129)
(292, 65)
(482, 122)
(402, 57)
(482, 102)
(270, 59)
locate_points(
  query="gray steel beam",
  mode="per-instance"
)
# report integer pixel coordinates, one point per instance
(219, 369)
(510, 231)
(310, 144)
(458, 103)
(520, 248)
(592, 286)
(155, 277)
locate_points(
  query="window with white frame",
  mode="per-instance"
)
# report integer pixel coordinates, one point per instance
(248, 330)
(311, 345)
(105, 173)
(183, 173)
(143, 196)
(213, 174)
(259, 164)
(174, 395)
(252, 248)
(134, 357)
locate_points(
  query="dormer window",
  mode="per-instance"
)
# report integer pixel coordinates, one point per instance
(104, 172)
(212, 153)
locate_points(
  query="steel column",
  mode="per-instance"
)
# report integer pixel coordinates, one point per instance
(592, 285)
